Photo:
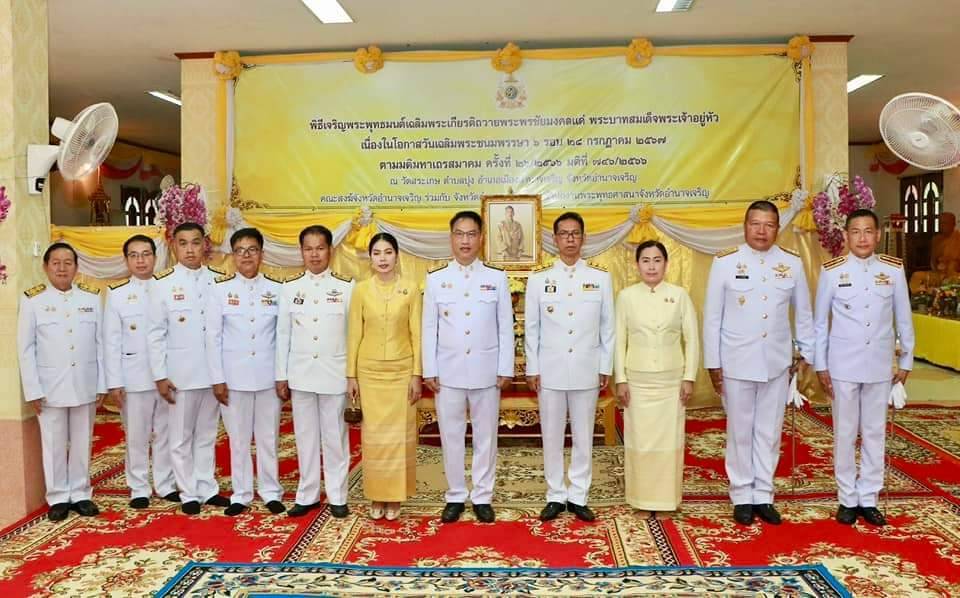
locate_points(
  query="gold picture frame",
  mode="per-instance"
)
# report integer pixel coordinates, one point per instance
(512, 237)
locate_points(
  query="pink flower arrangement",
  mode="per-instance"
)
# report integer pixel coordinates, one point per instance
(831, 208)
(179, 204)
(4, 204)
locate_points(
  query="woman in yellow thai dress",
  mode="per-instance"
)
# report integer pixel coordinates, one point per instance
(654, 377)
(384, 373)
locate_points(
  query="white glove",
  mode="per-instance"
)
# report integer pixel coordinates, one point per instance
(793, 396)
(898, 396)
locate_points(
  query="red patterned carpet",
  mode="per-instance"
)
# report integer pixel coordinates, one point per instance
(133, 553)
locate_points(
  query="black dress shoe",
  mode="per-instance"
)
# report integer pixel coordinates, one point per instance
(301, 510)
(768, 513)
(172, 497)
(59, 511)
(235, 509)
(582, 512)
(847, 515)
(88, 509)
(191, 507)
(218, 501)
(873, 516)
(276, 507)
(551, 511)
(484, 513)
(452, 512)
(743, 514)
(339, 511)
(140, 502)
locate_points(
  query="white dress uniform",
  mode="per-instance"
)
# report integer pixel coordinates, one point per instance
(569, 342)
(312, 358)
(61, 361)
(176, 320)
(467, 343)
(127, 364)
(746, 331)
(865, 298)
(241, 352)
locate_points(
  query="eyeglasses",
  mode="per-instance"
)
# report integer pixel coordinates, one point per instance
(570, 234)
(137, 256)
(468, 234)
(246, 251)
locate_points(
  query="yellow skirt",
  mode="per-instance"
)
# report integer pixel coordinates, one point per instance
(653, 441)
(388, 432)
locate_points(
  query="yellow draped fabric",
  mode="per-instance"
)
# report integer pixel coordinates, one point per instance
(101, 241)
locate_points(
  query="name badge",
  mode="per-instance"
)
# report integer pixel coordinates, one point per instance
(179, 297)
(845, 284)
(590, 286)
(334, 300)
(86, 310)
(488, 287)
(741, 276)
(550, 288)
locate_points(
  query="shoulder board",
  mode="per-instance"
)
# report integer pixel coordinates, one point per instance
(293, 277)
(339, 276)
(597, 266)
(541, 268)
(890, 260)
(790, 251)
(438, 268)
(216, 270)
(35, 290)
(837, 261)
(273, 278)
(727, 251)
(163, 274)
(88, 288)
(493, 267)
(225, 278)
(117, 285)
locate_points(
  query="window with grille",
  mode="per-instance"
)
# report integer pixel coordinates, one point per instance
(921, 200)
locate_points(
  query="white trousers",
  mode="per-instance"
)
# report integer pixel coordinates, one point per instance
(451, 405)
(65, 434)
(145, 416)
(253, 415)
(754, 425)
(193, 426)
(319, 429)
(859, 408)
(554, 407)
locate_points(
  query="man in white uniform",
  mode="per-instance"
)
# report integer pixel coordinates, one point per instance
(241, 352)
(127, 366)
(311, 368)
(748, 352)
(863, 304)
(178, 360)
(467, 360)
(569, 343)
(60, 349)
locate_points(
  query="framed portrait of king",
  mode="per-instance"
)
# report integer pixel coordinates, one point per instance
(512, 237)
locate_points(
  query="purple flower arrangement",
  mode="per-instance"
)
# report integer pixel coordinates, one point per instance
(830, 211)
(179, 204)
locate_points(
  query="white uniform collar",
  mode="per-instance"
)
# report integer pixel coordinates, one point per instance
(255, 280)
(65, 294)
(864, 261)
(137, 282)
(757, 253)
(474, 265)
(560, 265)
(189, 272)
(320, 276)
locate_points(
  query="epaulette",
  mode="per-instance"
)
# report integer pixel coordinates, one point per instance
(117, 285)
(597, 266)
(273, 278)
(890, 260)
(225, 278)
(727, 251)
(216, 269)
(837, 261)
(790, 251)
(339, 276)
(438, 268)
(163, 274)
(35, 290)
(293, 277)
(88, 288)
(541, 268)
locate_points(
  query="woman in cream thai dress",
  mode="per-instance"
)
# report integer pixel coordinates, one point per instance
(384, 373)
(654, 373)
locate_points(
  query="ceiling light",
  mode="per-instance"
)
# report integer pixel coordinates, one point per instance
(861, 80)
(166, 96)
(674, 5)
(328, 11)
